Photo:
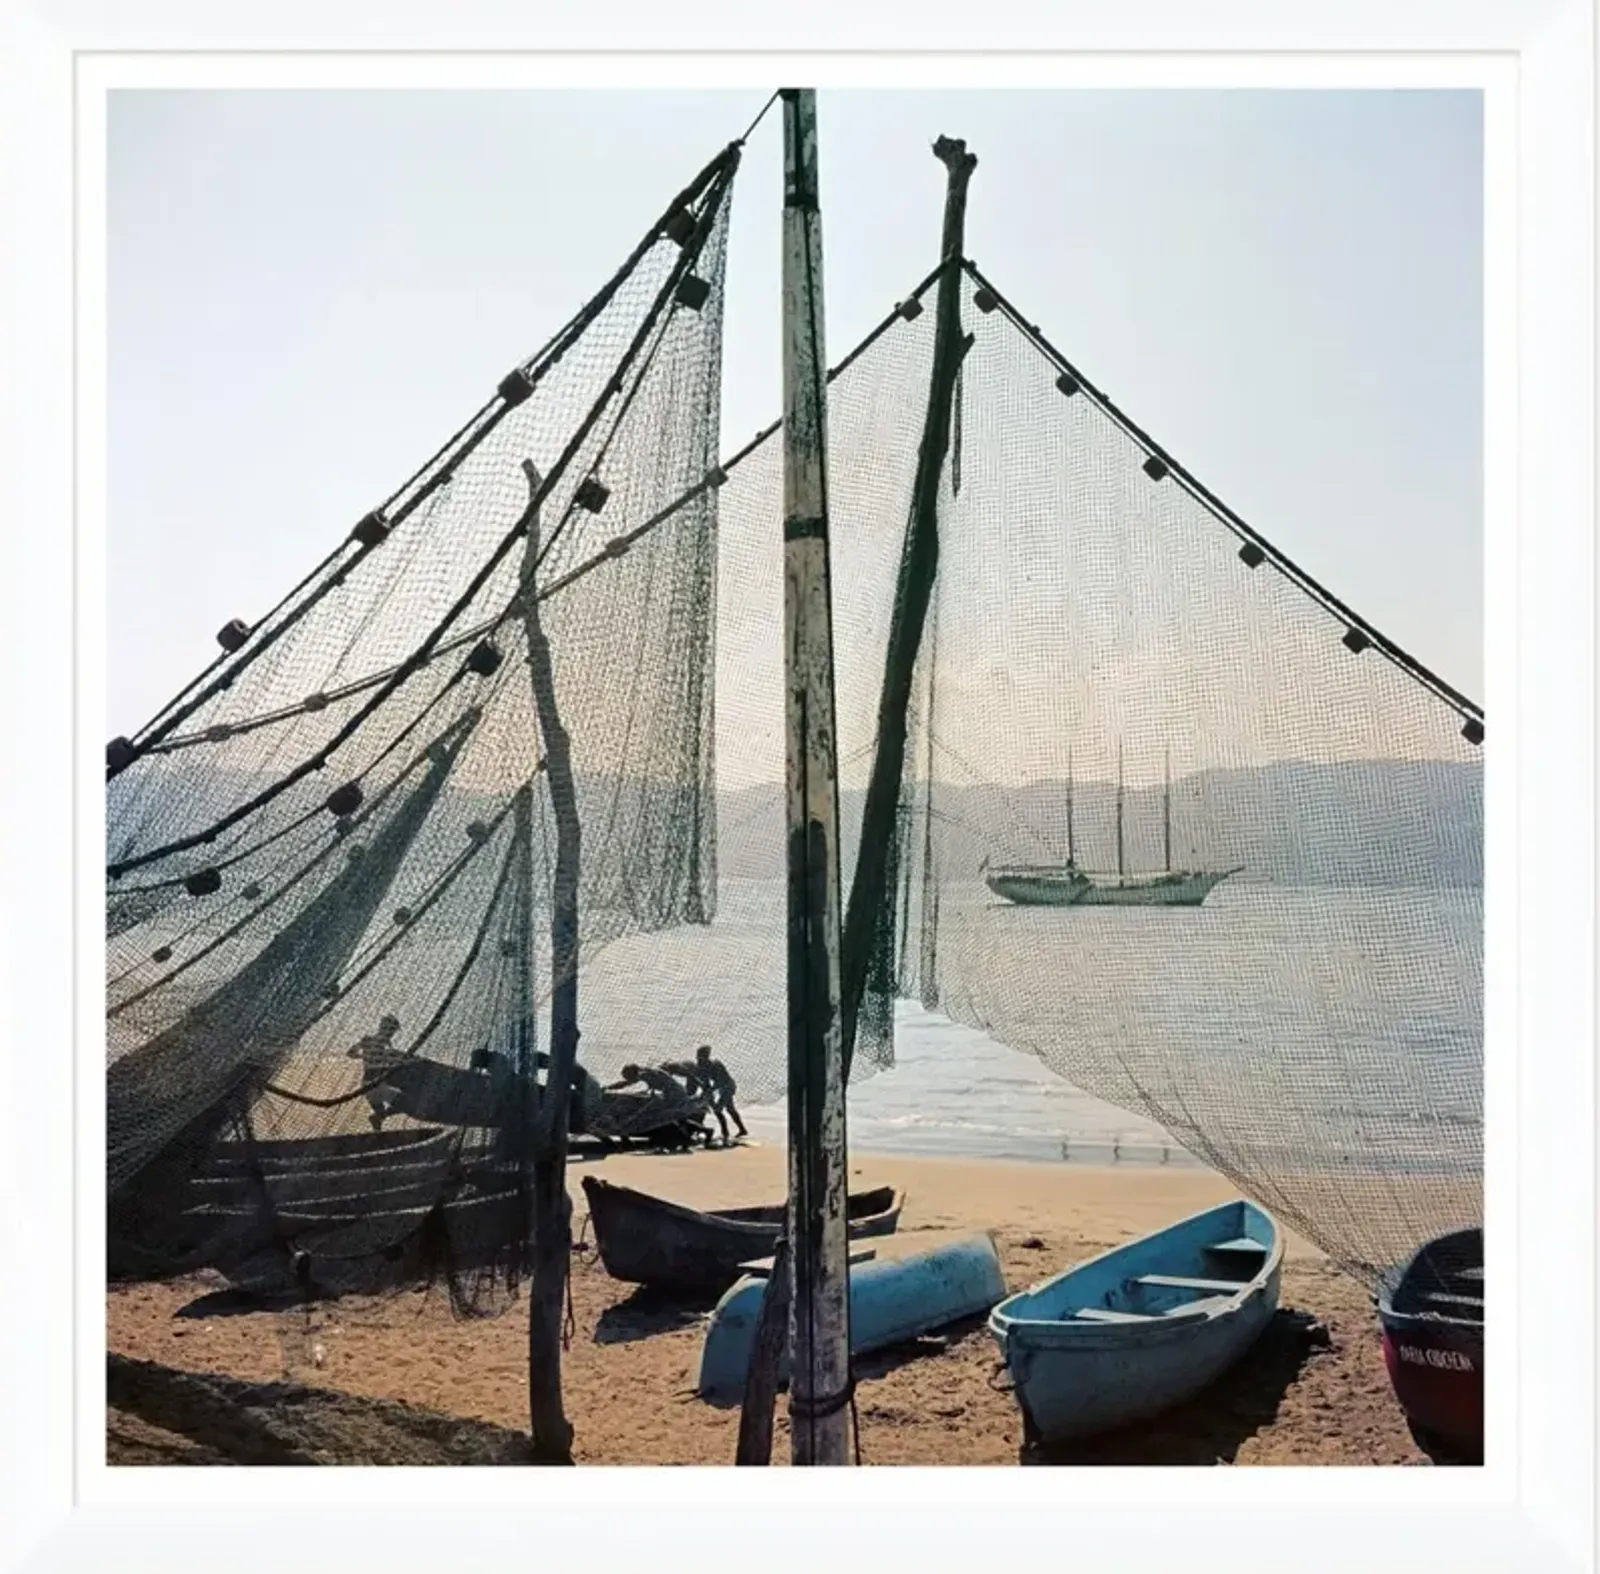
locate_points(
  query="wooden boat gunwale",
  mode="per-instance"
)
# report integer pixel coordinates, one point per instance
(1092, 1333)
(712, 1243)
(1186, 1324)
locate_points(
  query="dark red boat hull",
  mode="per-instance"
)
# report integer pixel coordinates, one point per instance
(1439, 1383)
(1433, 1346)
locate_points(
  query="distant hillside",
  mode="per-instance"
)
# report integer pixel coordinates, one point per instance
(1366, 823)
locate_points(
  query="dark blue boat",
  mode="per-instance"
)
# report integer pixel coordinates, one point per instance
(1431, 1309)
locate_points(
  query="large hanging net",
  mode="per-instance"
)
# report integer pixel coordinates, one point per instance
(1170, 818)
(332, 859)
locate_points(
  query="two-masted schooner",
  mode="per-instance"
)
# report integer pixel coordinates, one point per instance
(1067, 885)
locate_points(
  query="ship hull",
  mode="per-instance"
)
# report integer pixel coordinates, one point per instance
(1042, 888)
(1038, 890)
(1179, 890)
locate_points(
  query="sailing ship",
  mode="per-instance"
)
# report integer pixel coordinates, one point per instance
(1067, 885)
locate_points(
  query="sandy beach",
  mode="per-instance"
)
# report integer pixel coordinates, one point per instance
(405, 1382)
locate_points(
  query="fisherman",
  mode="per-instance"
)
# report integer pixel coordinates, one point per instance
(720, 1087)
(689, 1074)
(502, 1076)
(585, 1098)
(699, 1090)
(656, 1081)
(680, 1117)
(378, 1054)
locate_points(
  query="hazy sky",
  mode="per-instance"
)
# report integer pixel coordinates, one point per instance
(309, 290)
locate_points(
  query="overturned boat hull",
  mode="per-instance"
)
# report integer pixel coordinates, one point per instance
(891, 1301)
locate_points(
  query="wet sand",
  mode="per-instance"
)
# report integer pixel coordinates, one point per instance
(404, 1382)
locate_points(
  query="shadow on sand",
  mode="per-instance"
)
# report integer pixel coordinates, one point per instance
(231, 1422)
(879, 1363)
(1211, 1427)
(648, 1312)
(240, 1301)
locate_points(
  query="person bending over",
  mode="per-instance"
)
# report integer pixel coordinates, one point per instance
(698, 1090)
(649, 1077)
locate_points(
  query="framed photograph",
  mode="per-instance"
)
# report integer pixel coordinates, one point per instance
(801, 774)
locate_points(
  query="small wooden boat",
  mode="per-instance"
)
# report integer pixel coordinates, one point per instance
(1141, 1328)
(891, 1301)
(647, 1240)
(617, 1117)
(1431, 1310)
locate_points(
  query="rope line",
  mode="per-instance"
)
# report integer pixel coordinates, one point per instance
(1224, 515)
(749, 130)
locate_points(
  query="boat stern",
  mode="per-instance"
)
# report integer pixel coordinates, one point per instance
(1437, 1375)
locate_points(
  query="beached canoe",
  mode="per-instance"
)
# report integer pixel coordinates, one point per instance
(1141, 1328)
(619, 1116)
(891, 1300)
(1431, 1311)
(647, 1240)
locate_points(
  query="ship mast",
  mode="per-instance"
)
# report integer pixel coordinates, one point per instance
(1070, 856)
(1121, 861)
(1166, 810)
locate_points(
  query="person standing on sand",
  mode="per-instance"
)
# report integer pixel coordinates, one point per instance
(720, 1087)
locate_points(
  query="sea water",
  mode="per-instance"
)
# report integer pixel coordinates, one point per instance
(1349, 1021)
(953, 1092)
(1357, 1012)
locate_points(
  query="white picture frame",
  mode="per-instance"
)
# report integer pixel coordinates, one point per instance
(1532, 1504)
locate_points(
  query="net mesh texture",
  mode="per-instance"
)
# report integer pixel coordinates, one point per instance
(324, 1011)
(332, 859)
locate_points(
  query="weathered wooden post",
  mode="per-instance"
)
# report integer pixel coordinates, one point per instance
(761, 1381)
(552, 1207)
(819, 1312)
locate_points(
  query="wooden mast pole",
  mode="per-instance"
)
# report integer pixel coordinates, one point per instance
(552, 1206)
(928, 959)
(819, 1311)
(913, 601)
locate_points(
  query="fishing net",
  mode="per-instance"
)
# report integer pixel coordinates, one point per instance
(1265, 820)
(332, 859)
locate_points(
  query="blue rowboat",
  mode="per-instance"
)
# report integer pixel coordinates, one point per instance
(1141, 1328)
(891, 1301)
